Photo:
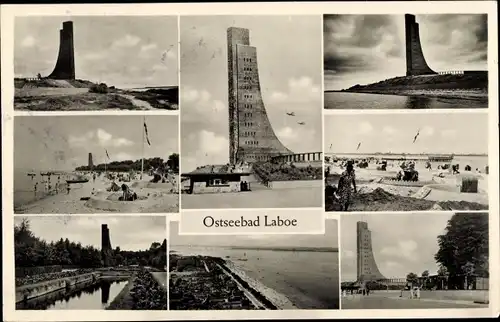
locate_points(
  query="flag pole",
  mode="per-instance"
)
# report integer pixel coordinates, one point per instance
(142, 160)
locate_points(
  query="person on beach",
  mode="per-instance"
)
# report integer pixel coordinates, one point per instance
(418, 292)
(68, 188)
(347, 179)
(35, 188)
(128, 194)
(93, 177)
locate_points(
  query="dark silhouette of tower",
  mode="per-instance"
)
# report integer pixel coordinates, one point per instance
(415, 60)
(251, 136)
(367, 267)
(106, 250)
(65, 65)
(91, 162)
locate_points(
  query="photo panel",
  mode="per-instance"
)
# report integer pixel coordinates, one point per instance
(251, 112)
(426, 261)
(401, 162)
(254, 272)
(405, 61)
(96, 164)
(102, 63)
(90, 263)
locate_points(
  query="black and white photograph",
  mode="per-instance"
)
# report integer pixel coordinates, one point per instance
(90, 263)
(436, 161)
(251, 112)
(425, 61)
(254, 272)
(96, 164)
(90, 63)
(425, 261)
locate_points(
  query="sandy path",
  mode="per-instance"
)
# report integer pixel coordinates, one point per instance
(138, 103)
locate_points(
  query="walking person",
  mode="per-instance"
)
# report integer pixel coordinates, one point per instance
(418, 292)
(347, 179)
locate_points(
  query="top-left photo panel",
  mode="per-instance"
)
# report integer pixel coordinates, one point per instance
(96, 63)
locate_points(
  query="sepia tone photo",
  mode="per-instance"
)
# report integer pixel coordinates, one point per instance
(96, 164)
(251, 116)
(90, 263)
(426, 261)
(254, 272)
(405, 61)
(406, 162)
(85, 63)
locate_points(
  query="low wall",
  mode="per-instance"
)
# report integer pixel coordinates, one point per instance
(295, 184)
(27, 292)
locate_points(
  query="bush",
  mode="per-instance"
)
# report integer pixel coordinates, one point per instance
(99, 88)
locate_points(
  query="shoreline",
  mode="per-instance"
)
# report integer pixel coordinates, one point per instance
(423, 93)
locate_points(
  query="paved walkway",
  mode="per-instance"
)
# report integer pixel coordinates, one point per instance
(391, 301)
(264, 198)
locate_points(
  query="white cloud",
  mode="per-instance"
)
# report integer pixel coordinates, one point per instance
(121, 157)
(159, 68)
(98, 137)
(287, 133)
(210, 143)
(171, 54)
(389, 130)
(405, 248)
(348, 254)
(189, 95)
(279, 97)
(127, 41)
(427, 131)
(449, 133)
(300, 90)
(94, 56)
(29, 41)
(148, 47)
(365, 127)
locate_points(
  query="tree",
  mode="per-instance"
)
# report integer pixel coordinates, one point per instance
(173, 162)
(425, 275)
(412, 278)
(464, 247)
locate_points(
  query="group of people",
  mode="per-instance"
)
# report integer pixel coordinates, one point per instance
(48, 187)
(244, 186)
(414, 292)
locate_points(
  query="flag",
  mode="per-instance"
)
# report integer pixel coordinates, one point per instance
(416, 136)
(359, 144)
(146, 131)
(107, 155)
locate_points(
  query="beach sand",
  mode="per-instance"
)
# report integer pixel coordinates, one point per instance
(435, 190)
(162, 198)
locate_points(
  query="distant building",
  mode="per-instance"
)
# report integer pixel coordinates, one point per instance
(106, 249)
(215, 179)
(91, 162)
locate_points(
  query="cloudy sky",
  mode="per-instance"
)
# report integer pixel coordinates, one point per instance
(329, 239)
(362, 49)
(64, 142)
(408, 248)
(121, 51)
(439, 133)
(125, 232)
(290, 76)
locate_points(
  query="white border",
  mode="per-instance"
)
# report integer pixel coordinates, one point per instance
(297, 8)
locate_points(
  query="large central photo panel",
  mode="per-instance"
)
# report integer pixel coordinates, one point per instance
(251, 112)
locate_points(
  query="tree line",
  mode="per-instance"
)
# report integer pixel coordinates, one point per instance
(462, 255)
(32, 251)
(172, 164)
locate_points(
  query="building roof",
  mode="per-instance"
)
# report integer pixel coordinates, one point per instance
(215, 170)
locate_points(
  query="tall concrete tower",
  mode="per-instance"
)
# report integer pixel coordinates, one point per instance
(106, 249)
(251, 136)
(65, 65)
(91, 162)
(415, 60)
(367, 267)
